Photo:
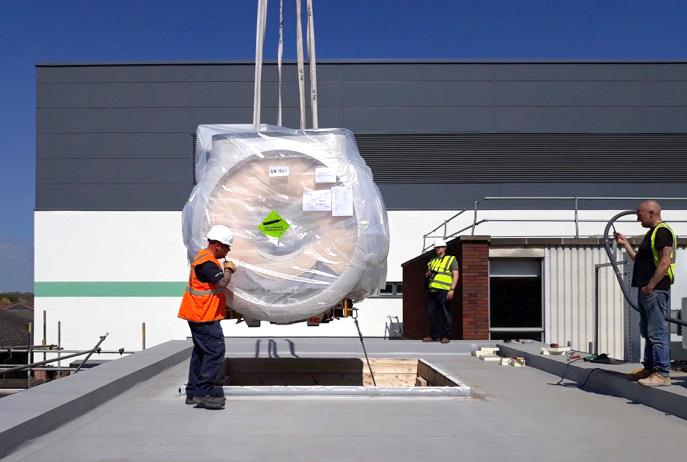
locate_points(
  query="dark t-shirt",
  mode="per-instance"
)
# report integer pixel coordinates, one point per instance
(644, 261)
(209, 272)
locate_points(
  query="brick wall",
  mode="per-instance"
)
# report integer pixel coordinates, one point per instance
(474, 287)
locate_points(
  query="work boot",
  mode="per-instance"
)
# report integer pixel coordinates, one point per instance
(192, 400)
(429, 339)
(655, 380)
(445, 340)
(639, 374)
(210, 402)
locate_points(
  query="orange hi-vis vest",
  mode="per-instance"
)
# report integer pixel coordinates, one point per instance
(202, 301)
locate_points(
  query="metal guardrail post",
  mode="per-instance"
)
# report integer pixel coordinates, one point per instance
(95, 348)
(59, 343)
(577, 223)
(29, 356)
(474, 220)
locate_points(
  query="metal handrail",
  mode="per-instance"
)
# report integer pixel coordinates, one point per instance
(95, 349)
(576, 220)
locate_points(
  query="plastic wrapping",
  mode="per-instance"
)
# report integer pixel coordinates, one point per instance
(310, 227)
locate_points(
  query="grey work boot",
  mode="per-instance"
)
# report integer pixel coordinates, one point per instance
(210, 402)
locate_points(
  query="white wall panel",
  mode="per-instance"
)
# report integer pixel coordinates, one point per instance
(84, 319)
(109, 246)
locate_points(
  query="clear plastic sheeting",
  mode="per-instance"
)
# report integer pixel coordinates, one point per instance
(310, 227)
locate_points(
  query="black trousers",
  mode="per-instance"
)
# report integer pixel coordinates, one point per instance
(440, 318)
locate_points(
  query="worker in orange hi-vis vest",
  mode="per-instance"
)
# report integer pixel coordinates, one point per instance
(204, 306)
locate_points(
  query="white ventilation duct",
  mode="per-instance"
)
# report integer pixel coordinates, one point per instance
(310, 227)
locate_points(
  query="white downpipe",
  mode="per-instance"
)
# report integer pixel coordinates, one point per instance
(312, 64)
(301, 72)
(259, 43)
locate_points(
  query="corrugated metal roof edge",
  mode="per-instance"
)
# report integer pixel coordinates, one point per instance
(356, 61)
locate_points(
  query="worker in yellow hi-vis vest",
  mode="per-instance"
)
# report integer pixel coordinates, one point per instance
(653, 273)
(442, 277)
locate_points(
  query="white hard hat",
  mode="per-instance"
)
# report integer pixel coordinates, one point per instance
(439, 243)
(221, 233)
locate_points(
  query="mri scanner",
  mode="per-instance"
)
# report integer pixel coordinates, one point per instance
(310, 227)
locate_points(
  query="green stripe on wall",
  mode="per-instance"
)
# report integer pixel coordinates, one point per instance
(109, 289)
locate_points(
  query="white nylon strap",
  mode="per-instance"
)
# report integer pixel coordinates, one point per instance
(280, 53)
(301, 73)
(312, 64)
(259, 43)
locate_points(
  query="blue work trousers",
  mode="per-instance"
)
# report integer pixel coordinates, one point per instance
(440, 317)
(206, 359)
(653, 327)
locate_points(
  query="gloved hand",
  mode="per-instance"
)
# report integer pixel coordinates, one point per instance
(229, 265)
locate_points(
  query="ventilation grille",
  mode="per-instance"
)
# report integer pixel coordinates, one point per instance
(523, 158)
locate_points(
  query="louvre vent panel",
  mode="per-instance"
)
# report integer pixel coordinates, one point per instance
(536, 158)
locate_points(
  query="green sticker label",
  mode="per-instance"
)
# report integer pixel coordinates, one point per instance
(273, 225)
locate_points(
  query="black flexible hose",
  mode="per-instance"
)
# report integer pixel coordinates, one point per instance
(614, 264)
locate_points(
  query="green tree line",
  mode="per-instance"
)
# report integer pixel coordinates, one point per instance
(11, 298)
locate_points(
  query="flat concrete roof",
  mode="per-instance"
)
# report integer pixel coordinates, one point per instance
(515, 414)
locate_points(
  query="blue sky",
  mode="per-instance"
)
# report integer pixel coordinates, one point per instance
(153, 30)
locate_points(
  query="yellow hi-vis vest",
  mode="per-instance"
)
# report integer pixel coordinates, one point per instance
(657, 257)
(440, 272)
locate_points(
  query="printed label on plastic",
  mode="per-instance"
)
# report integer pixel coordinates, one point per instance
(342, 201)
(324, 175)
(279, 171)
(317, 201)
(273, 225)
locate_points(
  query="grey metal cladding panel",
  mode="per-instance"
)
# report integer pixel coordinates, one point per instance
(85, 171)
(325, 72)
(418, 120)
(222, 94)
(461, 196)
(111, 196)
(570, 93)
(417, 71)
(666, 119)
(570, 71)
(570, 120)
(417, 93)
(328, 117)
(104, 120)
(146, 73)
(115, 73)
(121, 94)
(666, 71)
(662, 93)
(240, 94)
(115, 145)
(229, 72)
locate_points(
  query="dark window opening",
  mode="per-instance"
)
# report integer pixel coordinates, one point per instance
(515, 302)
(392, 290)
